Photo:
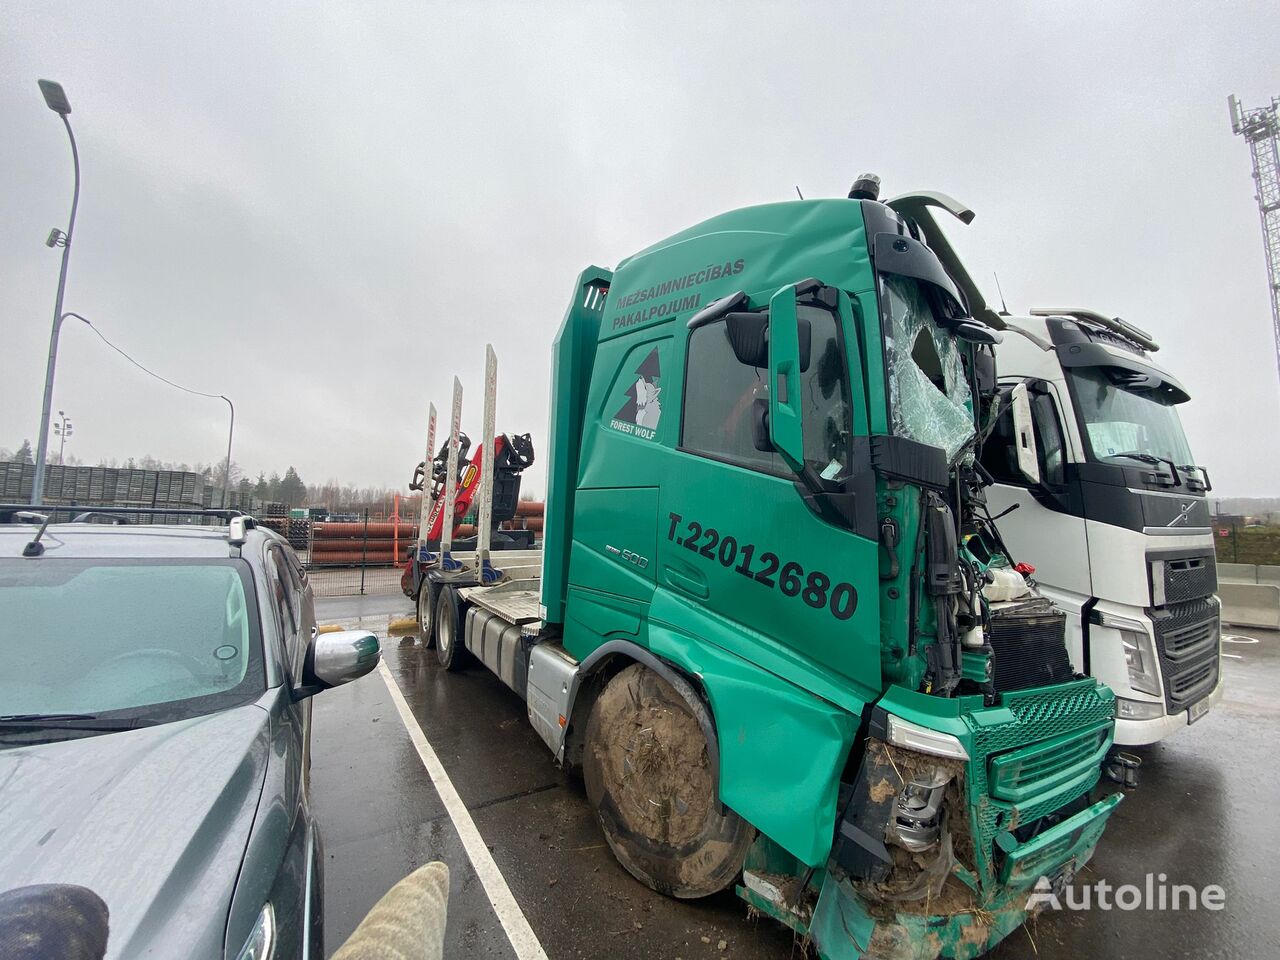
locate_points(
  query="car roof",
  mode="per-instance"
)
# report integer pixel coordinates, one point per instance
(90, 540)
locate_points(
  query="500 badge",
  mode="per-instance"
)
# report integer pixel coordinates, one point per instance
(814, 588)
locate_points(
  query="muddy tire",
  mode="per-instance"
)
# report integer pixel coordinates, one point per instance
(448, 630)
(427, 613)
(648, 774)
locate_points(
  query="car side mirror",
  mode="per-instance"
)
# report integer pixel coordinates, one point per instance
(1024, 436)
(337, 658)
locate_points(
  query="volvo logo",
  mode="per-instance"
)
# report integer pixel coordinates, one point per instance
(1182, 514)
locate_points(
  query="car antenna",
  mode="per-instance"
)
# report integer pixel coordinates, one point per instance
(1004, 310)
(35, 547)
(798, 193)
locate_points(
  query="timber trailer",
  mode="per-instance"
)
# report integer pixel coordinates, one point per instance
(765, 624)
(437, 476)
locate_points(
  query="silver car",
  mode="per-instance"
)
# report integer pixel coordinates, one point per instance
(155, 732)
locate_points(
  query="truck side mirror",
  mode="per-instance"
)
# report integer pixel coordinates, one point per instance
(748, 335)
(786, 431)
(1024, 436)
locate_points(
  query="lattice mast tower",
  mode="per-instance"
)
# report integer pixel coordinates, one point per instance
(1261, 130)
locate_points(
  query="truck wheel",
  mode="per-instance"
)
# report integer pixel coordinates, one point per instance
(449, 647)
(427, 613)
(648, 774)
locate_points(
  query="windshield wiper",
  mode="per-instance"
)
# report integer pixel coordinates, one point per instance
(70, 721)
(1144, 457)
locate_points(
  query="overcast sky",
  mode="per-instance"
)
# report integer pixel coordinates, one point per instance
(324, 210)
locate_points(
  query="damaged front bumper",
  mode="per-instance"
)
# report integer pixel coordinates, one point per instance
(842, 924)
(935, 855)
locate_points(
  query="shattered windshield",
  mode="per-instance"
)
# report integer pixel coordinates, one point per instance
(929, 397)
(1117, 421)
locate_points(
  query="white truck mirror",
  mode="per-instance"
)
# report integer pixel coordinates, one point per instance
(1024, 434)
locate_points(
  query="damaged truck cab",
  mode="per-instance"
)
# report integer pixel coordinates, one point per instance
(777, 632)
(762, 507)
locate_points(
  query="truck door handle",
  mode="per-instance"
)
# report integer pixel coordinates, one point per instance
(692, 584)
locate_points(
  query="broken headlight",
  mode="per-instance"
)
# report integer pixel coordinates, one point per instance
(918, 812)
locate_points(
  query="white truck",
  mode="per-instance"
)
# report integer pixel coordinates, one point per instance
(1096, 486)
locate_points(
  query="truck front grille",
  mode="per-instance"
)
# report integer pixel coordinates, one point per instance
(1188, 640)
(1020, 774)
(1177, 579)
(1078, 709)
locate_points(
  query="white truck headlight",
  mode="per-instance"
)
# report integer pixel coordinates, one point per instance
(912, 736)
(1138, 709)
(1139, 652)
(261, 944)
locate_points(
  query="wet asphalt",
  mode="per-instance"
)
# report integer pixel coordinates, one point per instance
(1206, 812)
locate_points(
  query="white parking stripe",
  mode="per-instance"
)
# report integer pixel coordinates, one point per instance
(523, 941)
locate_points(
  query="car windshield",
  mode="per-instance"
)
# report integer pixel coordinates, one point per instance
(161, 640)
(1118, 421)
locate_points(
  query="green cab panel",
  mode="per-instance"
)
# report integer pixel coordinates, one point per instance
(781, 749)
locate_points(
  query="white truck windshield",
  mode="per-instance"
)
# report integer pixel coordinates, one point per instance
(1117, 421)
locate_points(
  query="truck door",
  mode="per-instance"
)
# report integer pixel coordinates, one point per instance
(743, 561)
(1040, 527)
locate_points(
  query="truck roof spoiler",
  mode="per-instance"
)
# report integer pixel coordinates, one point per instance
(1114, 324)
(919, 206)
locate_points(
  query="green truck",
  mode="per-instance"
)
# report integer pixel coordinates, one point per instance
(766, 622)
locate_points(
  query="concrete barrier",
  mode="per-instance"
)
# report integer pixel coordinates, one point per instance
(1250, 604)
(1268, 573)
(1239, 572)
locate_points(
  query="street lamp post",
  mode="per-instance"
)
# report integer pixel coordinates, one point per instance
(64, 428)
(56, 100)
(226, 476)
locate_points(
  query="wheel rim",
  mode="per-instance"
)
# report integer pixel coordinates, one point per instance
(444, 637)
(424, 610)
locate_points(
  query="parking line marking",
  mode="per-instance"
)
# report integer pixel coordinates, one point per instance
(523, 940)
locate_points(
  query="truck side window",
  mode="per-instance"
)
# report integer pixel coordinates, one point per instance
(1048, 438)
(718, 395)
(720, 392)
(1000, 455)
(825, 398)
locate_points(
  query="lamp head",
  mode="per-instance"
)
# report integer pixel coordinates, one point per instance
(55, 97)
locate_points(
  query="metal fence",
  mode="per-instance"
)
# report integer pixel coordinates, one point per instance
(353, 558)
